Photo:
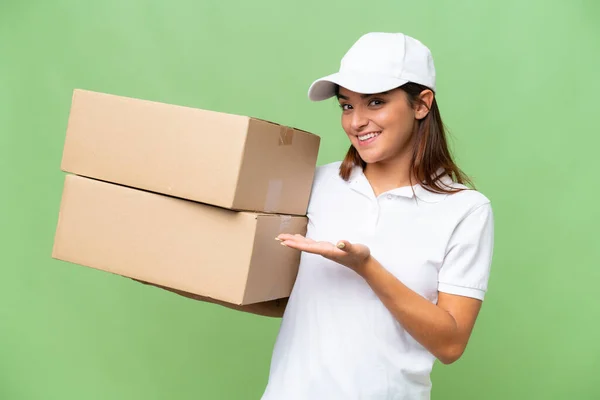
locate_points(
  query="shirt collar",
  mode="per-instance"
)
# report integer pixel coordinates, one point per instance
(358, 181)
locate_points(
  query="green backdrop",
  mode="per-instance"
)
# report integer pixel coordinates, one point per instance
(518, 84)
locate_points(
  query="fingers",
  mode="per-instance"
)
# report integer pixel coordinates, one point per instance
(285, 236)
(344, 245)
(297, 238)
(299, 245)
(302, 243)
(287, 240)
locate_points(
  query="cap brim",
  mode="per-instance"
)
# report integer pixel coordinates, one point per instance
(363, 83)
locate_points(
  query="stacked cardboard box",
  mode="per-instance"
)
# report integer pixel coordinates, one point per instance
(184, 198)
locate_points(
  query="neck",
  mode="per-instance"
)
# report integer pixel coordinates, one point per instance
(387, 175)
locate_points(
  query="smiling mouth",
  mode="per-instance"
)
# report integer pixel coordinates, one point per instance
(368, 136)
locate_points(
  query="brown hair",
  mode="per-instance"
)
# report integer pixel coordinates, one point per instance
(430, 152)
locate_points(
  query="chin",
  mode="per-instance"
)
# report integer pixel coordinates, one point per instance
(370, 160)
(370, 157)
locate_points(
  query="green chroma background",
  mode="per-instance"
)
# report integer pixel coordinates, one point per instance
(518, 83)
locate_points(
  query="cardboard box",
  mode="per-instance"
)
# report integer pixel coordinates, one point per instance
(226, 255)
(231, 161)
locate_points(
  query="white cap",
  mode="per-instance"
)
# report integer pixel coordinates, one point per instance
(376, 63)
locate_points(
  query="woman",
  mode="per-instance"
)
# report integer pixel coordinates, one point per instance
(397, 255)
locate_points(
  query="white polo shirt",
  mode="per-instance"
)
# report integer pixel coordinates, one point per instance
(337, 340)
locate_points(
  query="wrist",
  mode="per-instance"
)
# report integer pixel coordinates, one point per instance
(367, 267)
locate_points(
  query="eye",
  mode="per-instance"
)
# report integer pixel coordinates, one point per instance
(375, 102)
(345, 107)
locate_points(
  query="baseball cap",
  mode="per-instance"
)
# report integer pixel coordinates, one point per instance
(378, 62)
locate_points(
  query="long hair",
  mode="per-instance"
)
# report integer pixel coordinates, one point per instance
(430, 152)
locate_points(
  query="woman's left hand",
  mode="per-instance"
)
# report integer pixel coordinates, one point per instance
(351, 255)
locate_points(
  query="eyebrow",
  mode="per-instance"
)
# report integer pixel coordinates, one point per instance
(363, 96)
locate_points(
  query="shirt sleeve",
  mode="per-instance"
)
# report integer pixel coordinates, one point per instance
(466, 267)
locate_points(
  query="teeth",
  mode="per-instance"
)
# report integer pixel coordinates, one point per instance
(368, 136)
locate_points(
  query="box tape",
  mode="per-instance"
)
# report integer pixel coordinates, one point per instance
(286, 135)
(273, 195)
(285, 223)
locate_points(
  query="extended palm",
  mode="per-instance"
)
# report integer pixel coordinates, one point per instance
(350, 255)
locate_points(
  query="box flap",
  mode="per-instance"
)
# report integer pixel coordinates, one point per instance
(273, 268)
(284, 126)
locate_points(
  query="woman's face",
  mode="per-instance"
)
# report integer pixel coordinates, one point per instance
(380, 126)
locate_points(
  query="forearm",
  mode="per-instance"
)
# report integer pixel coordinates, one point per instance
(274, 308)
(433, 327)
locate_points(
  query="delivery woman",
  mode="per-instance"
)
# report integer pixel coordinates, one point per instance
(396, 260)
(397, 256)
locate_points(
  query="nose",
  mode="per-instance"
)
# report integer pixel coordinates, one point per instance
(359, 120)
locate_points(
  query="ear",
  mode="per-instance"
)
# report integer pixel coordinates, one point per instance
(422, 107)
